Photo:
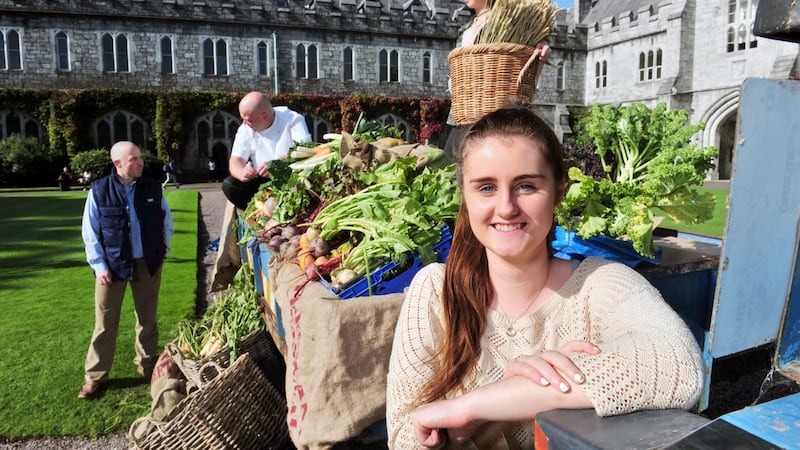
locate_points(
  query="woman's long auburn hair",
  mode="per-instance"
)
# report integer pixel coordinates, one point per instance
(467, 291)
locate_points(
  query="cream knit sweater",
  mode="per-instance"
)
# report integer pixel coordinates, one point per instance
(649, 359)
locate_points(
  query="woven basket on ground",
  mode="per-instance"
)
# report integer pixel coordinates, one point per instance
(239, 409)
(258, 344)
(487, 77)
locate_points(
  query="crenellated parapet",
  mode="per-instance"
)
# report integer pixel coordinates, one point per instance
(436, 19)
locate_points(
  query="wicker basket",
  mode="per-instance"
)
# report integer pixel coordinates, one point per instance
(487, 77)
(257, 344)
(239, 409)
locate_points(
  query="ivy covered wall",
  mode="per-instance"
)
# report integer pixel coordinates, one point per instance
(69, 117)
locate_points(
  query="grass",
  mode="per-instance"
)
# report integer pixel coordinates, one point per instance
(714, 227)
(47, 301)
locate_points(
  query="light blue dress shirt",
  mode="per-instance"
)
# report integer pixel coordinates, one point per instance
(90, 229)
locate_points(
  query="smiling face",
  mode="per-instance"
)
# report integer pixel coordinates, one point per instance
(510, 192)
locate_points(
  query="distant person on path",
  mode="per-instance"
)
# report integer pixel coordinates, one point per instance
(266, 134)
(127, 228)
(212, 170)
(64, 179)
(169, 171)
(87, 179)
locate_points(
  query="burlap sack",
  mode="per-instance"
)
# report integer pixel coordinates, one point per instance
(168, 387)
(229, 256)
(337, 358)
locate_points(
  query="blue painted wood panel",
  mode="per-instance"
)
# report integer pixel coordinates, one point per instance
(760, 235)
(777, 421)
(787, 357)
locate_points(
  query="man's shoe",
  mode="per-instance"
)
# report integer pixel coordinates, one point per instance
(89, 389)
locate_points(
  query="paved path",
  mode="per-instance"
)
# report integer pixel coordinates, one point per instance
(211, 212)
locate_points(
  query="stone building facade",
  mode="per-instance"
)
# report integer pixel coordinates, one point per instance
(235, 45)
(691, 54)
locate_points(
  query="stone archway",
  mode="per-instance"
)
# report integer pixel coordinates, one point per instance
(720, 120)
(220, 154)
(726, 133)
(212, 137)
(398, 122)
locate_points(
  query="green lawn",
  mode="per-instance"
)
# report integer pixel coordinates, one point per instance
(714, 227)
(47, 301)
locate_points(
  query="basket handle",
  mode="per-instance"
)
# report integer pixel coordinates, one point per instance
(139, 441)
(204, 379)
(536, 67)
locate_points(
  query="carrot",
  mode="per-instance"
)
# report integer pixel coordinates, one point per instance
(303, 242)
(321, 150)
(304, 258)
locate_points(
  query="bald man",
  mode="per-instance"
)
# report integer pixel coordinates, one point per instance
(266, 133)
(127, 227)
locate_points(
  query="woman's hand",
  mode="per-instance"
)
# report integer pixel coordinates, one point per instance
(445, 420)
(544, 51)
(546, 368)
(430, 437)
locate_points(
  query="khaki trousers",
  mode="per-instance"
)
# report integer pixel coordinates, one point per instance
(107, 311)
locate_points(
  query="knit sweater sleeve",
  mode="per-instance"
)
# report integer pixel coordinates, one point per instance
(417, 333)
(649, 360)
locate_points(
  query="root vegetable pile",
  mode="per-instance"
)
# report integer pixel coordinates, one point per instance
(377, 199)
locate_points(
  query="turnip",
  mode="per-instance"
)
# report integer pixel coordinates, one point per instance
(312, 233)
(343, 277)
(274, 243)
(269, 206)
(319, 247)
(285, 248)
(289, 231)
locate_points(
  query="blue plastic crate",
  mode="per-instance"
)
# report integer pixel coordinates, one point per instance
(386, 279)
(568, 245)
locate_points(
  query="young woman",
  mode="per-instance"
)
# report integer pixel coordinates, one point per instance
(504, 330)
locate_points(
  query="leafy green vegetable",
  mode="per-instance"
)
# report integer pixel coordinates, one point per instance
(279, 170)
(391, 217)
(372, 130)
(231, 318)
(648, 162)
(385, 211)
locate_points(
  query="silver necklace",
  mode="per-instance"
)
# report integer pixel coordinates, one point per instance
(478, 16)
(511, 331)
